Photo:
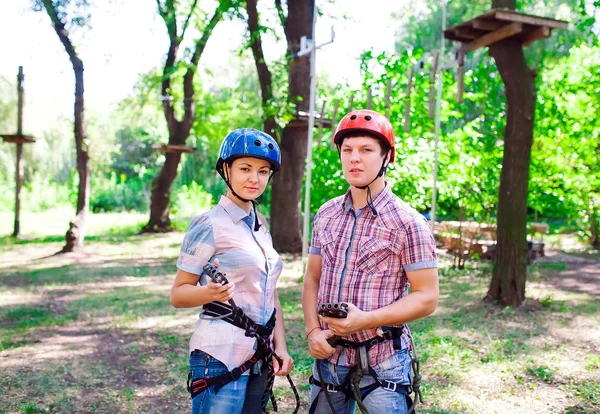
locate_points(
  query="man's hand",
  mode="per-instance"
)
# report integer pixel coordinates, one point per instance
(318, 346)
(355, 321)
(287, 363)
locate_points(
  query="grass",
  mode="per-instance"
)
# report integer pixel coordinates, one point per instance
(97, 333)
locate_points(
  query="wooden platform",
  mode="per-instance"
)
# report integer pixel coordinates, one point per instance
(301, 119)
(499, 24)
(18, 139)
(173, 148)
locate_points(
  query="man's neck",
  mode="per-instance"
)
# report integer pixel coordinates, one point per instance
(359, 197)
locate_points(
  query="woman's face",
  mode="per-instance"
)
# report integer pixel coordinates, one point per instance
(248, 176)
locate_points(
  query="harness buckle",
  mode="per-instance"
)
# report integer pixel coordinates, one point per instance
(331, 388)
(199, 385)
(390, 386)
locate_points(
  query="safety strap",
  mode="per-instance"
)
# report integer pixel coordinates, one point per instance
(264, 351)
(240, 319)
(326, 388)
(200, 385)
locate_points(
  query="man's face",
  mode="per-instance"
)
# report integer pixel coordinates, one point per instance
(361, 159)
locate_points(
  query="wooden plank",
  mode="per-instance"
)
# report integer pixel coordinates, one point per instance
(493, 37)
(18, 139)
(539, 33)
(466, 33)
(488, 25)
(173, 148)
(509, 16)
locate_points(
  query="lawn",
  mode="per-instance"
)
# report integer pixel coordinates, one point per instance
(96, 332)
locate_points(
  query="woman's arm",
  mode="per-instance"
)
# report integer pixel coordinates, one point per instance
(186, 293)
(279, 342)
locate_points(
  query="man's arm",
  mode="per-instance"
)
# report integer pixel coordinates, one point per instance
(421, 302)
(317, 338)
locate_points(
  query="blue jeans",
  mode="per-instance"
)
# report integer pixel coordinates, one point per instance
(243, 396)
(396, 368)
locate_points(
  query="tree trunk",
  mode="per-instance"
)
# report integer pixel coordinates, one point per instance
(510, 269)
(179, 130)
(286, 223)
(264, 75)
(161, 190)
(76, 233)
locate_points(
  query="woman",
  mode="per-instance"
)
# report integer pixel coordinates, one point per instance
(230, 366)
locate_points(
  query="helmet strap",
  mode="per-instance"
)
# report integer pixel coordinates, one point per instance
(362, 187)
(256, 221)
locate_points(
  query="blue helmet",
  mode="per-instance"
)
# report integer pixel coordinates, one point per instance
(248, 142)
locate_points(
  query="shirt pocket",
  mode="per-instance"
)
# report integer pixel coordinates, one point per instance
(328, 247)
(373, 254)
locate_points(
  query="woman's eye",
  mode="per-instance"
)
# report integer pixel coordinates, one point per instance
(264, 172)
(245, 169)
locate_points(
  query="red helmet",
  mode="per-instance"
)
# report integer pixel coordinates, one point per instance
(370, 122)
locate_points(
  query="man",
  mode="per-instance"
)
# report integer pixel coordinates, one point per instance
(367, 248)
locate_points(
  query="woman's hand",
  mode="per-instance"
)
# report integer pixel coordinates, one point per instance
(287, 363)
(218, 292)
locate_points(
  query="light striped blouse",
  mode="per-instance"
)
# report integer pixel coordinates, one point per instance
(248, 259)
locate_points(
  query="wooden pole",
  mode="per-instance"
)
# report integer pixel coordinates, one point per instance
(388, 91)
(432, 85)
(369, 95)
(334, 123)
(411, 73)
(460, 75)
(321, 119)
(19, 166)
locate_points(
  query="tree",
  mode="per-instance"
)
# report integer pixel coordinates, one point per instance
(57, 11)
(286, 227)
(179, 129)
(510, 268)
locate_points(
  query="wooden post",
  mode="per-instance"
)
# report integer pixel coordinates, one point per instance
(460, 75)
(407, 103)
(369, 92)
(321, 119)
(388, 91)
(351, 102)
(432, 84)
(19, 166)
(334, 122)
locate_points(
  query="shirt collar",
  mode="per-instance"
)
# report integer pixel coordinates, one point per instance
(379, 201)
(235, 212)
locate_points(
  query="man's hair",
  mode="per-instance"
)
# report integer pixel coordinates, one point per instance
(357, 134)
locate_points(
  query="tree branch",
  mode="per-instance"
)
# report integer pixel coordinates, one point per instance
(187, 20)
(168, 15)
(264, 75)
(188, 79)
(63, 35)
(282, 17)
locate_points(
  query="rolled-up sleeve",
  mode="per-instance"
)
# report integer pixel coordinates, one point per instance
(198, 246)
(418, 251)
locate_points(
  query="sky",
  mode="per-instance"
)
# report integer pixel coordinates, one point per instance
(128, 38)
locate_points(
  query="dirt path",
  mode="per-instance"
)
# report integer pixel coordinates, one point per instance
(581, 275)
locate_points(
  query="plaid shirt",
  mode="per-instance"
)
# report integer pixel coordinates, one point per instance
(365, 257)
(247, 257)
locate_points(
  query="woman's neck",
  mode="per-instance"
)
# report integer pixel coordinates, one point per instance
(244, 205)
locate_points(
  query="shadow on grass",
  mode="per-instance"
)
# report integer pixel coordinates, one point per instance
(74, 274)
